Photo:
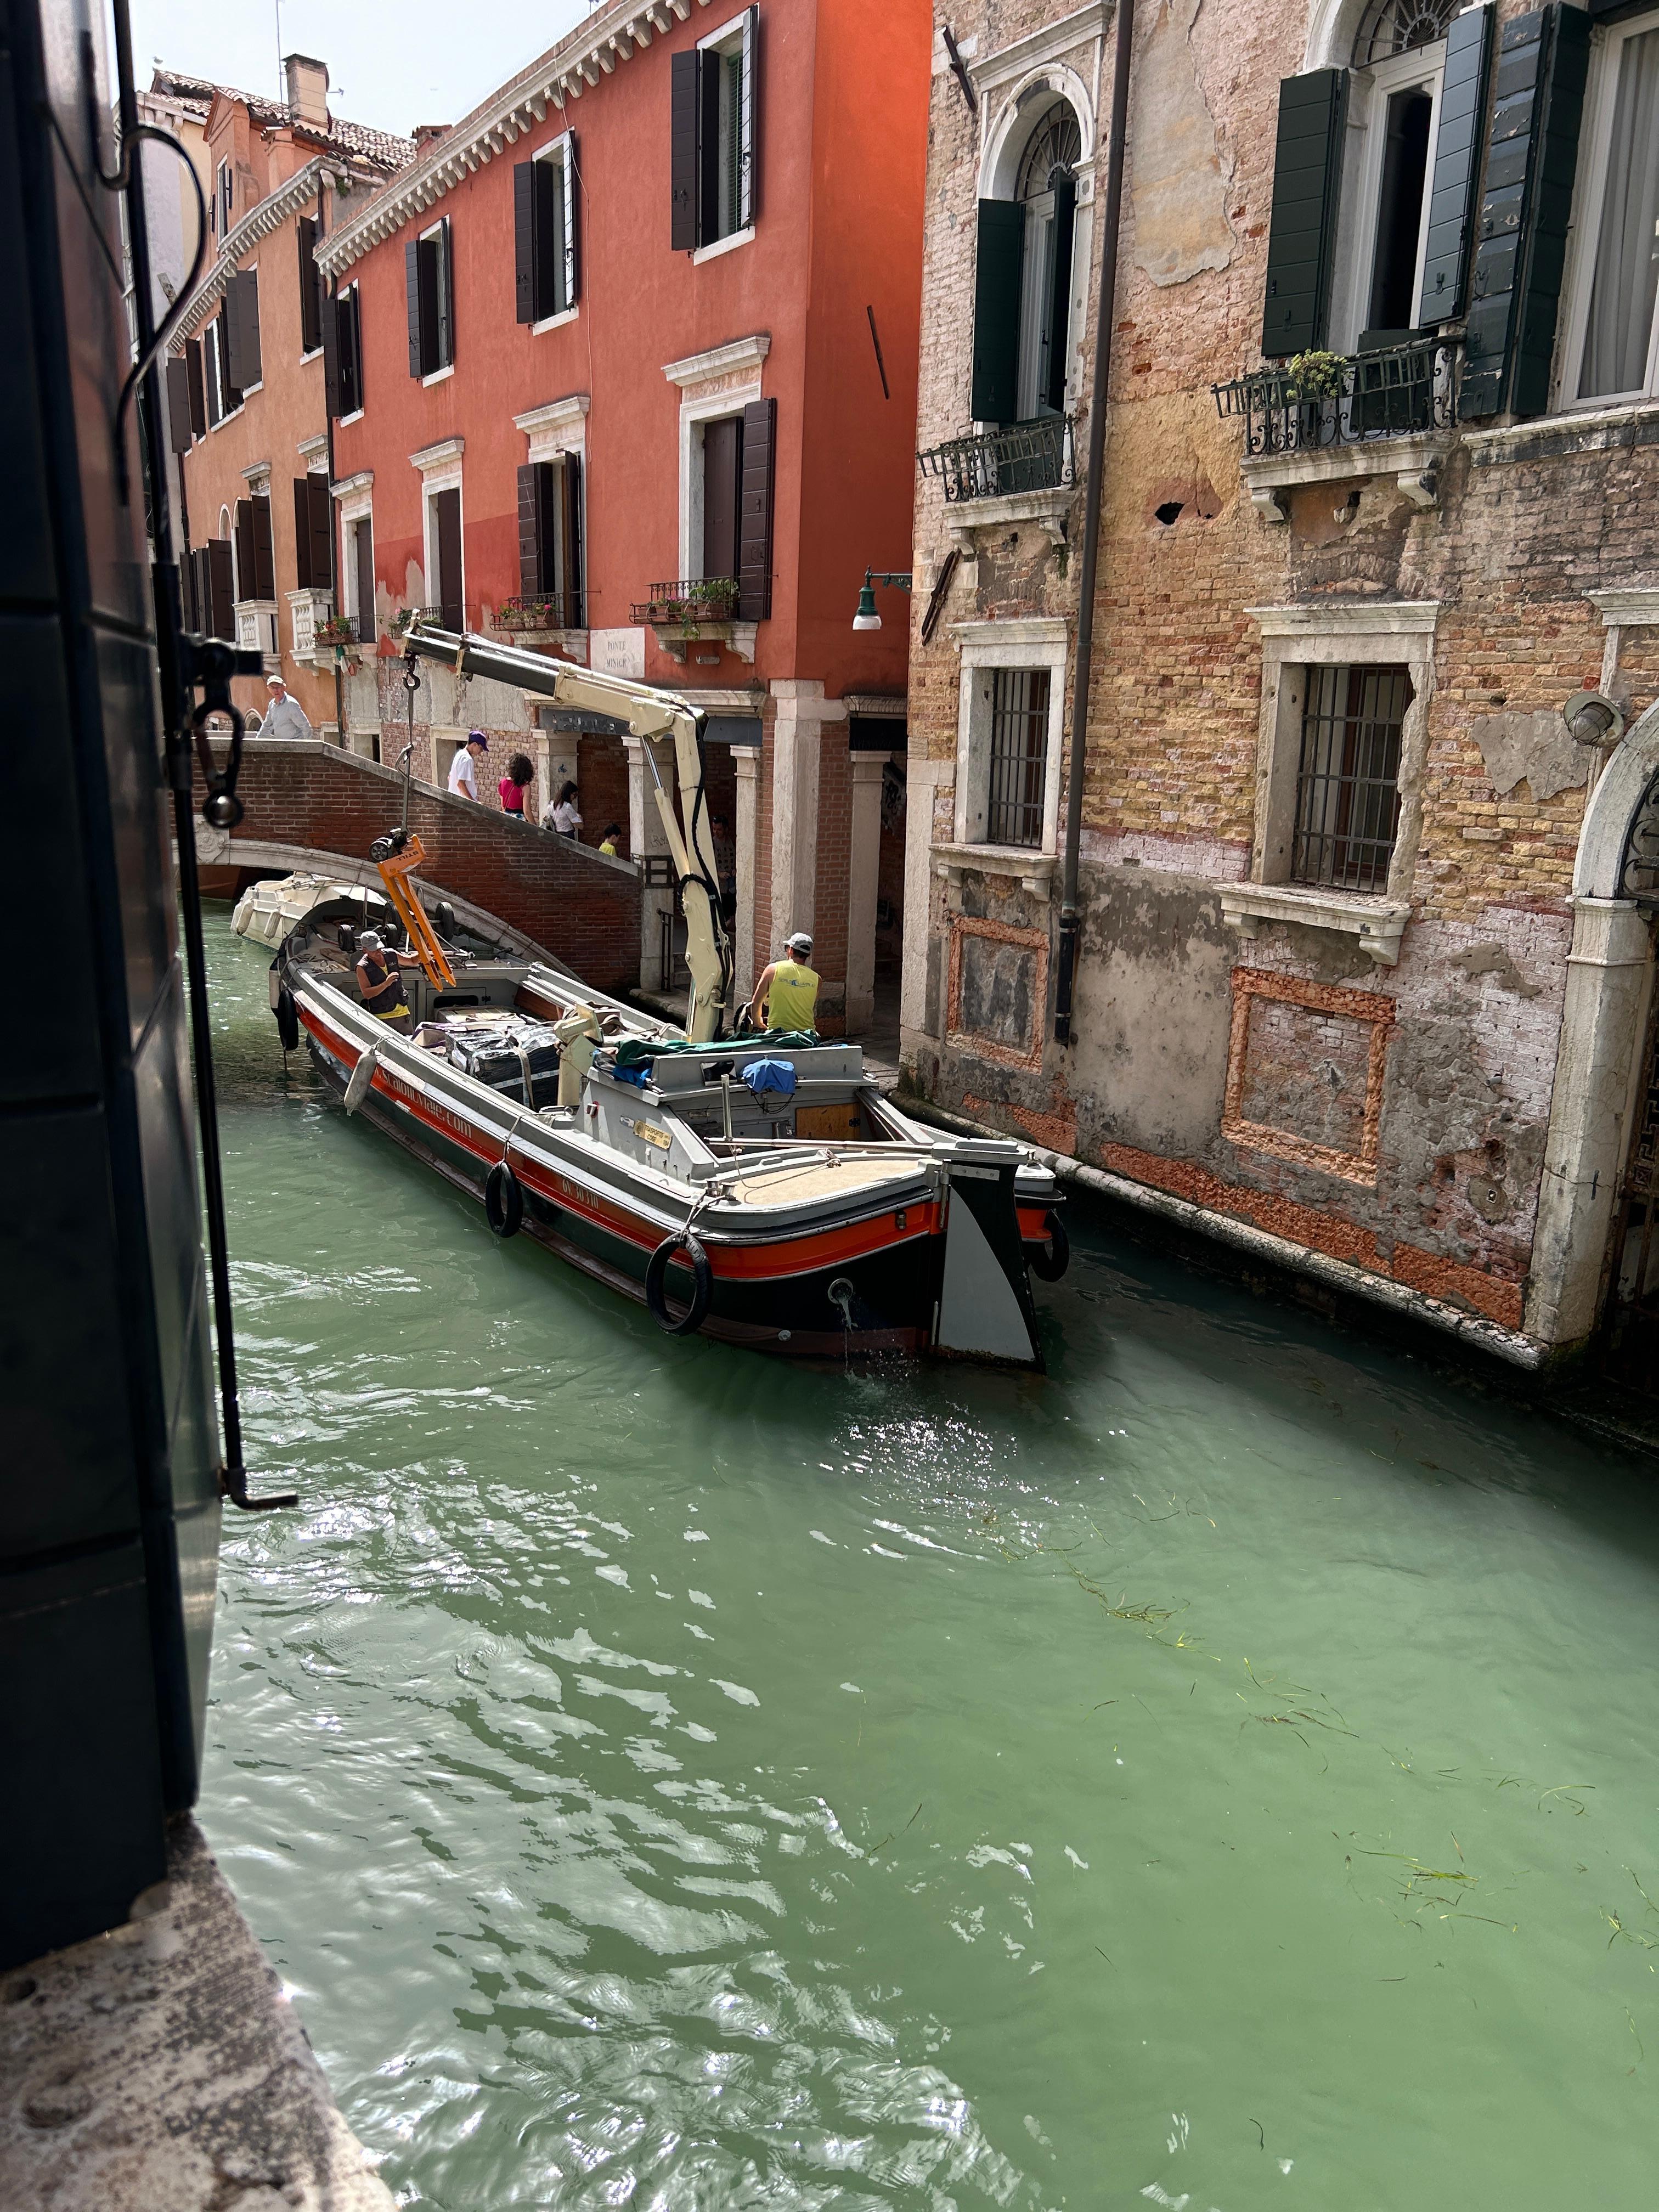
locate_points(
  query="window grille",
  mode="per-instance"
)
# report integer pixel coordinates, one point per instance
(1019, 756)
(1399, 27)
(1348, 785)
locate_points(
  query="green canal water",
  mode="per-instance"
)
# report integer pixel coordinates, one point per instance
(1221, 1773)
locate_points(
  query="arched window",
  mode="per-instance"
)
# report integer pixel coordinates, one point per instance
(1387, 27)
(1023, 288)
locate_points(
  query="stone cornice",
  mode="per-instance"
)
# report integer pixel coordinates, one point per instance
(439, 456)
(1349, 617)
(1046, 43)
(719, 360)
(560, 76)
(272, 211)
(557, 415)
(1627, 606)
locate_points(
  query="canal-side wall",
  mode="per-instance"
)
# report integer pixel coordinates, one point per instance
(583, 907)
(1391, 1112)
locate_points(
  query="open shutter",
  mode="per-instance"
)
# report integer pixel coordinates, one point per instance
(242, 529)
(177, 404)
(760, 428)
(264, 558)
(221, 593)
(303, 580)
(311, 286)
(332, 357)
(230, 392)
(198, 394)
(362, 557)
(230, 334)
(996, 312)
(572, 276)
(532, 493)
(241, 327)
(682, 150)
(412, 283)
(187, 588)
(201, 611)
(570, 476)
(748, 123)
(1307, 183)
(1538, 93)
(443, 287)
(1060, 232)
(524, 239)
(322, 533)
(351, 351)
(1456, 154)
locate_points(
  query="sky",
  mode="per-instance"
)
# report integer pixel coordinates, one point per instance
(392, 63)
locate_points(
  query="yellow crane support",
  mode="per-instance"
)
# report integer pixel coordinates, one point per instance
(395, 871)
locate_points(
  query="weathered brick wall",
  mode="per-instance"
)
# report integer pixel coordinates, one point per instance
(585, 910)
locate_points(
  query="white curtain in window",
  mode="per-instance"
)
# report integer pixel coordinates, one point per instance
(1627, 251)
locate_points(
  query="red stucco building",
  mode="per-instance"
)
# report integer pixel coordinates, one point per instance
(625, 366)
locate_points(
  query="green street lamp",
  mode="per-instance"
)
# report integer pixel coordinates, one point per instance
(866, 617)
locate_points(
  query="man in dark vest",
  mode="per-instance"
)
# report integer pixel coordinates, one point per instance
(379, 978)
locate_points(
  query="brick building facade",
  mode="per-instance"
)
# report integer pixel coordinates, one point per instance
(623, 370)
(1366, 956)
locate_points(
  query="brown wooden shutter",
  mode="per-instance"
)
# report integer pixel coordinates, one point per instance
(446, 519)
(179, 430)
(187, 588)
(576, 602)
(412, 285)
(311, 298)
(322, 533)
(221, 593)
(529, 531)
(197, 395)
(363, 554)
(242, 329)
(760, 431)
(265, 556)
(241, 524)
(330, 324)
(303, 579)
(748, 207)
(443, 272)
(230, 392)
(683, 105)
(722, 495)
(524, 241)
(351, 352)
(571, 244)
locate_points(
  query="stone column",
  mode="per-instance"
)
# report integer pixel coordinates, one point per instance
(745, 759)
(1603, 1023)
(802, 712)
(647, 841)
(861, 890)
(918, 1001)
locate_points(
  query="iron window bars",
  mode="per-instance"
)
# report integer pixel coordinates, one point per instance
(1392, 393)
(1347, 784)
(1035, 456)
(1019, 756)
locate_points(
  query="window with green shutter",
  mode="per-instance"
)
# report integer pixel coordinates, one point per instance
(1306, 188)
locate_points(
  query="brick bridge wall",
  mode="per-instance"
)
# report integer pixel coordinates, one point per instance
(584, 909)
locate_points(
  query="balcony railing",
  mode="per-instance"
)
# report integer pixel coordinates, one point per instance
(1332, 399)
(552, 610)
(1025, 457)
(691, 599)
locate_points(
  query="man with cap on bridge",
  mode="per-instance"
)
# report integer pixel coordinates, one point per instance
(463, 782)
(788, 989)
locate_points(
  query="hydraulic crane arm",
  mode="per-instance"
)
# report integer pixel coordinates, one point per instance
(649, 714)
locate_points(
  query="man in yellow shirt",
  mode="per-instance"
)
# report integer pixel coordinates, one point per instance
(788, 989)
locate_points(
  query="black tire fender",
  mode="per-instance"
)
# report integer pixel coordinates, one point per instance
(503, 1200)
(702, 1278)
(1050, 1259)
(288, 1020)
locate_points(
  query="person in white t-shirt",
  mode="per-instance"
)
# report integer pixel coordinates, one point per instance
(562, 815)
(463, 779)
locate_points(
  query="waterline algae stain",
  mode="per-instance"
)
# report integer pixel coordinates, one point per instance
(1221, 1773)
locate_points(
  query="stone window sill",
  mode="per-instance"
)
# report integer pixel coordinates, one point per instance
(1378, 923)
(1046, 510)
(1035, 869)
(1413, 462)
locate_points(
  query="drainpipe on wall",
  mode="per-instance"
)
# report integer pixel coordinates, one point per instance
(336, 548)
(1070, 922)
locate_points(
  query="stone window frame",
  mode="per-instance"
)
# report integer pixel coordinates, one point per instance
(1028, 641)
(1608, 41)
(1329, 633)
(972, 1041)
(1375, 1008)
(354, 503)
(439, 470)
(721, 382)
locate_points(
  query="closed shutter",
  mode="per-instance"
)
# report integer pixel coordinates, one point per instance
(265, 557)
(311, 289)
(570, 485)
(531, 538)
(1538, 100)
(446, 530)
(443, 287)
(524, 240)
(351, 351)
(177, 404)
(683, 151)
(749, 148)
(363, 554)
(996, 312)
(760, 427)
(220, 593)
(573, 273)
(230, 332)
(230, 392)
(212, 406)
(332, 357)
(412, 284)
(242, 330)
(187, 589)
(303, 581)
(242, 532)
(322, 534)
(722, 496)
(201, 593)
(197, 393)
(1302, 235)
(1060, 291)
(1457, 155)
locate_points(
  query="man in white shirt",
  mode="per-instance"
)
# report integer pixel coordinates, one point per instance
(285, 716)
(463, 780)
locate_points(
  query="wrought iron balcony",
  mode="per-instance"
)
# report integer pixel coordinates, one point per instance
(1331, 399)
(694, 600)
(1034, 456)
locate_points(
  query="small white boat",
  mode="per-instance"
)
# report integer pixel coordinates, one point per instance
(269, 909)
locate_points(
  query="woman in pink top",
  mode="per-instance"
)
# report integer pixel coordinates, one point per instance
(520, 773)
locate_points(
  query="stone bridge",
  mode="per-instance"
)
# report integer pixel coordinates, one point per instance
(314, 806)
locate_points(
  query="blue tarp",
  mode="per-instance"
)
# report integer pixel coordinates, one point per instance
(778, 1075)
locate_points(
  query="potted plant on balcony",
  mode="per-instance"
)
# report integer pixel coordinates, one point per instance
(529, 614)
(1315, 383)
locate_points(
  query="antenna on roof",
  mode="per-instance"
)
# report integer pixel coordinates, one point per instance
(281, 74)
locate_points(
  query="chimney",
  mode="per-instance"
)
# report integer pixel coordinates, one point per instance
(308, 88)
(425, 133)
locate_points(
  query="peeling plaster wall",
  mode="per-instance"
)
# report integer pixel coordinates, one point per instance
(1180, 185)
